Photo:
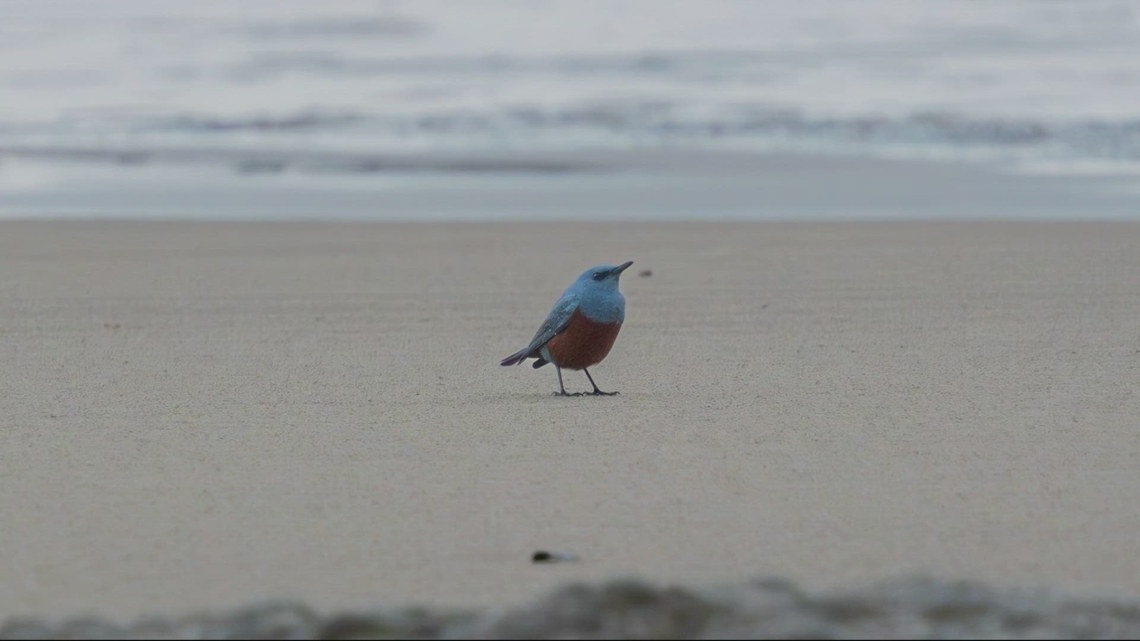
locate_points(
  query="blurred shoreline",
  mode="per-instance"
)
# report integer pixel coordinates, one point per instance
(680, 183)
(409, 111)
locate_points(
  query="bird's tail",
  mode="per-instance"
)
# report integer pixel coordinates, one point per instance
(516, 358)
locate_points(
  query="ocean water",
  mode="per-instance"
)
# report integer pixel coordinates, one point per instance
(110, 97)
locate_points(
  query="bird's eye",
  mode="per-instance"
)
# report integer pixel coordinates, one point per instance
(599, 275)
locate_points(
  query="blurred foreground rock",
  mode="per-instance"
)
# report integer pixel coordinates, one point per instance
(904, 608)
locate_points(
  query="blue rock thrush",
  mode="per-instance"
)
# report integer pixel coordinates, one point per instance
(580, 330)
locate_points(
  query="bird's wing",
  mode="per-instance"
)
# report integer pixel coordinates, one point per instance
(555, 323)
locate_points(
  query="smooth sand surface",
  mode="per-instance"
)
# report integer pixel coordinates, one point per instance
(207, 415)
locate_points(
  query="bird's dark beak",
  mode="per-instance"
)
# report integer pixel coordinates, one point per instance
(622, 267)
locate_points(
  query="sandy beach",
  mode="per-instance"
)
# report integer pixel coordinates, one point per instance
(203, 415)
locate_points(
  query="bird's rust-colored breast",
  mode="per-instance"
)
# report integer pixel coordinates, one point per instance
(584, 343)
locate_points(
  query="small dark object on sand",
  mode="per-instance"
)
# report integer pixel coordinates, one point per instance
(542, 556)
(645, 273)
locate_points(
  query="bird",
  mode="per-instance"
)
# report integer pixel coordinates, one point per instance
(581, 327)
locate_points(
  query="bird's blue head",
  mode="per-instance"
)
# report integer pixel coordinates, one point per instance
(596, 291)
(602, 278)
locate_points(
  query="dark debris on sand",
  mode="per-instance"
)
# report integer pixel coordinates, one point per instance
(905, 608)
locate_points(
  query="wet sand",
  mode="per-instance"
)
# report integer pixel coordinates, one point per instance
(200, 416)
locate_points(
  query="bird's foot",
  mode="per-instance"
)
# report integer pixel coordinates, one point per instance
(567, 394)
(599, 392)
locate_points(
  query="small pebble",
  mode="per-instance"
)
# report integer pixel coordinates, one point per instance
(645, 273)
(542, 556)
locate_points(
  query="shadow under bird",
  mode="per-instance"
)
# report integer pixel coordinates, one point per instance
(581, 328)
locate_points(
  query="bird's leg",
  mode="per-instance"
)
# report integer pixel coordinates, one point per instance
(560, 385)
(596, 392)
